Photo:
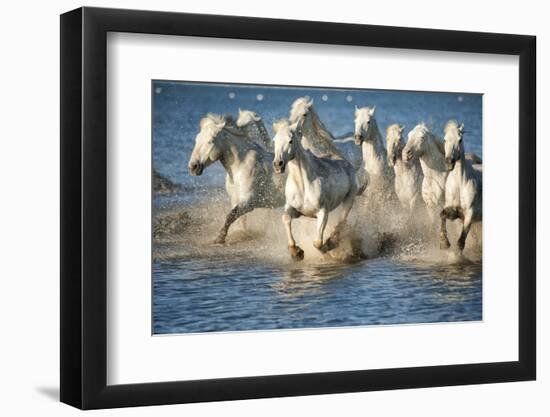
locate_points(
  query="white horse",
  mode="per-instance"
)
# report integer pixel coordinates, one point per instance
(408, 175)
(249, 178)
(428, 148)
(463, 190)
(315, 186)
(316, 136)
(367, 135)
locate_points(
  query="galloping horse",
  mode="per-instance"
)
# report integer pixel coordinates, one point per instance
(315, 186)
(368, 137)
(463, 190)
(408, 175)
(428, 148)
(249, 178)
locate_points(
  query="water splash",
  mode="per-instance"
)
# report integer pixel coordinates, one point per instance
(377, 227)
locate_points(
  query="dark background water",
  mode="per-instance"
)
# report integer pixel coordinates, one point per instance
(178, 108)
(200, 288)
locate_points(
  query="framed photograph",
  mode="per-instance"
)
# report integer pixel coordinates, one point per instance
(257, 208)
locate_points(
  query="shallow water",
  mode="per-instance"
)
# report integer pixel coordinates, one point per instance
(250, 283)
(194, 295)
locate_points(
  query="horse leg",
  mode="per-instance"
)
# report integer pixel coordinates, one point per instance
(466, 224)
(233, 215)
(334, 238)
(448, 213)
(443, 238)
(322, 217)
(295, 251)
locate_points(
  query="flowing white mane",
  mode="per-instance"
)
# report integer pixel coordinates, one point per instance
(252, 123)
(316, 137)
(451, 124)
(394, 133)
(217, 123)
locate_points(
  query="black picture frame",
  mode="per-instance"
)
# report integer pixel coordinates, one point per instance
(84, 207)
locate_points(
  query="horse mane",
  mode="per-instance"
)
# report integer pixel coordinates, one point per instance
(279, 124)
(396, 128)
(451, 123)
(317, 138)
(260, 136)
(440, 146)
(222, 122)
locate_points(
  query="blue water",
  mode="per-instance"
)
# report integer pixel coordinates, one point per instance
(198, 287)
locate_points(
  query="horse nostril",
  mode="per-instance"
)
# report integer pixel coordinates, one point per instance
(193, 167)
(280, 163)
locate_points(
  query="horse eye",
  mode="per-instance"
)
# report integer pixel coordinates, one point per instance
(290, 141)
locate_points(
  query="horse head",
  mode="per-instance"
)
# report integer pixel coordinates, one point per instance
(454, 148)
(417, 142)
(207, 143)
(394, 139)
(364, 124)
(300, 110)
(287, 140)
(247, 117)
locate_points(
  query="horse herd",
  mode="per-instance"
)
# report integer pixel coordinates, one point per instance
(303, 170)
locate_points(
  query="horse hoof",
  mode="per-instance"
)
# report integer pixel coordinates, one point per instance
(318, 244)
(444, 243)
(219, 241)
(296, 252)
(330, 244)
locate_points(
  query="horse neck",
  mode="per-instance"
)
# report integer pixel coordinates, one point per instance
(232, 151)
(461, 164)
(258, 130)
(373, 147)
(317, 125)
(300, 167)
(433, 160)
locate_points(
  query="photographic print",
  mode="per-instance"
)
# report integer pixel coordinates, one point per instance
(291, 207)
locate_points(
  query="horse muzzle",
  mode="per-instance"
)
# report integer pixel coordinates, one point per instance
(196, 168)
(279, 166)
(450, 164)
(358, 140)
(408, 155)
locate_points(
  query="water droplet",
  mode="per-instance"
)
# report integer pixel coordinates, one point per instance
(158, 90)
(324, 97)
(460, 99)
(260, 97)
(231, 95)
(349, 99)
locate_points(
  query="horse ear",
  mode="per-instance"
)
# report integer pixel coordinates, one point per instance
(461, 127)
(401, 128)
(371, 111)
